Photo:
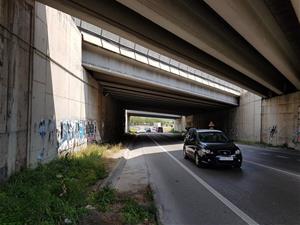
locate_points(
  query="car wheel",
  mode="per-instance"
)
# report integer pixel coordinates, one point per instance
(184, 153)
(238, 166)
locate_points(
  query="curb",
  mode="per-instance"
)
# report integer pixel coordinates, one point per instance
(117, 170)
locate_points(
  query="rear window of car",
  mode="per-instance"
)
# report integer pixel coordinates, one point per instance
(212, 137)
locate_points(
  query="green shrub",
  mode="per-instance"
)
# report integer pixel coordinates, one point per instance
(53, 192)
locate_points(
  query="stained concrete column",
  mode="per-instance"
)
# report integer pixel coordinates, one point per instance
(180, 124)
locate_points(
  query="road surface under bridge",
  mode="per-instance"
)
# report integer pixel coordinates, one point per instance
(263, 191)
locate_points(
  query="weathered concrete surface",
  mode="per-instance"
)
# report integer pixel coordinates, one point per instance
(254, 21)
(100, 60)
(62, 92)
(68, 106)
(240, 123)
(134, 176)
(49, 103)
(16, 29)
(274, 121)
(121, 20)
(180, 124)
(281, 120)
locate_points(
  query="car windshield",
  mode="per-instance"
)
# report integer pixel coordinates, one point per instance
(212, 137)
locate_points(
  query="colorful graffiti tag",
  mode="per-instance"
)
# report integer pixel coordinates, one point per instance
(91, 131)
(75, 133)
(65, 135)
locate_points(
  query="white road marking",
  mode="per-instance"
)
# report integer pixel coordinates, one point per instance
(272, 168)
(283, 157)
(224, 200)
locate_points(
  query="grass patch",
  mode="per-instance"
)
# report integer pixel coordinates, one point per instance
(104, 198)
(135, 213)
(125, 208)
(53, 193)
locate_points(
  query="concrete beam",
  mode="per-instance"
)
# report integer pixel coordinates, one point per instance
(103, 61)
(296, 5)
(119, 19)
(196, 23)
(152, 114)
(253, 20)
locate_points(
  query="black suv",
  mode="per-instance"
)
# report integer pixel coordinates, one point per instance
(211, 147)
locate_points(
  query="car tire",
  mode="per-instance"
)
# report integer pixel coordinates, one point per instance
(197, 160)
(238, 166)
(184, 153)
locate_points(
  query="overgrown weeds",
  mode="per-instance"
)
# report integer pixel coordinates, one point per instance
(54, 193)
(125, 208)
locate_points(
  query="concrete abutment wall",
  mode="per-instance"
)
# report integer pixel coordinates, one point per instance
(16, 40)
(274, 121)
(49, 103)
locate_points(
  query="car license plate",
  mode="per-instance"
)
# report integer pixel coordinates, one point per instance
(227, 158)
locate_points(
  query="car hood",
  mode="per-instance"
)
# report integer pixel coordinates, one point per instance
(220, 146)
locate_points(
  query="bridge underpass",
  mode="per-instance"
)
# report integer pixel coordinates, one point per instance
(179, 120)
(60, 92)
(266, 63)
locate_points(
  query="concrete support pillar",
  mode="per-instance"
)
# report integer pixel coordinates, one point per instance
(127, 119)
(180, 124)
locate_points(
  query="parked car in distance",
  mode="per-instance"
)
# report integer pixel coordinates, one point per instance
(160, 130)
(139, 131)
(153, 129)
(148, 130)
(211, 147)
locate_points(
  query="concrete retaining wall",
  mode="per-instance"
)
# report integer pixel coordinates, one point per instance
(49, 103)
(16, 38)
(64, 97)
(239, 123)
(281, 120)
(274, 121)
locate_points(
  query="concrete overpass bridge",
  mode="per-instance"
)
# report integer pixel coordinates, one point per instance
(245, 42)
(140, 85)
(65, 84)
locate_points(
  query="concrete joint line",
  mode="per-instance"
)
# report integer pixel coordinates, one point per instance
(272, 168)
(224, 200)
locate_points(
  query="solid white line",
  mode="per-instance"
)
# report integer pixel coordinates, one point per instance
(224, 200)
(283, 157)
(272, 168)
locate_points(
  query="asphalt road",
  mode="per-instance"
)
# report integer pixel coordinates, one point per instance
(266, 190)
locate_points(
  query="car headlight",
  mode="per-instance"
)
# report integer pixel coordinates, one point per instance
(237, 152)
(206, 151)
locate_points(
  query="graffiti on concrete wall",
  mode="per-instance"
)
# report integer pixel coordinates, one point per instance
(91, 131)
(273, 131)
(296, 138)
(46, 130)
(64, 135)
(75, 133)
